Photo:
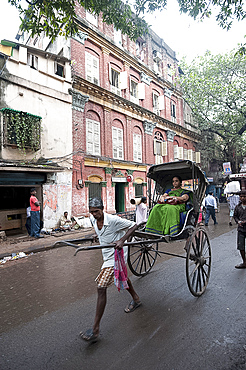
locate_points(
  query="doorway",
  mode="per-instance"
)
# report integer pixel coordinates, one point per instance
(120, 197)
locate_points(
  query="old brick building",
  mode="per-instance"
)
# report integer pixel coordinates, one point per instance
(128, 113)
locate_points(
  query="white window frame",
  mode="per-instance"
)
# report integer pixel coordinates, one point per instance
(169, 73)
(173, 111)
(137, 147)
(134, 92)
(155, 102)
(190, 154)
(92, 18)
(176, 152)
(32, 61)
(185, 153)
(114, 82)
(56, 66)
(93, 137)
(118, 37)
(139, 50)
(180, 152)
(198, 157)
(117, 140)
(92, 68)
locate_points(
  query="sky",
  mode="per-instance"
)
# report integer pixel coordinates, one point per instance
(180, 32)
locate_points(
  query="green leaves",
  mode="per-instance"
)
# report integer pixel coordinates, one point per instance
(22, 129)
(55, 17)
(215, 88)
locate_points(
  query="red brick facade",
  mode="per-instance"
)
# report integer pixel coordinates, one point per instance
(135, 119)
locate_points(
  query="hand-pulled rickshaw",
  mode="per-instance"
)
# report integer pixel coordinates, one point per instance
(144, 246)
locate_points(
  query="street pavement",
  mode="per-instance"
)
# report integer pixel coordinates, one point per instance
(47, 299)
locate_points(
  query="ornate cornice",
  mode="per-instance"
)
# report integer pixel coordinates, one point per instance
(112, 101)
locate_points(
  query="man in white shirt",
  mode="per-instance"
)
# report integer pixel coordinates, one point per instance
(211, 206)
(141, 211)
(110, 229)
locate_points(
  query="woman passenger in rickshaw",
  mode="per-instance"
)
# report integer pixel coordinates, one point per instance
(164, 218)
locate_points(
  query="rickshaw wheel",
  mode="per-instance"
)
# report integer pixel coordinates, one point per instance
(198, 261)
(141, 257)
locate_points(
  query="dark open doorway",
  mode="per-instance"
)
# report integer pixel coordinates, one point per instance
(120, 196)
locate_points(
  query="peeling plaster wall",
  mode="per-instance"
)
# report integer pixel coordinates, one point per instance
(57, 198)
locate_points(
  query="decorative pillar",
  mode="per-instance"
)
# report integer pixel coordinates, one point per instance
(110, 190)
(128, 142)
(78, 100)
(127, 90)
(105, 65)
(170, 136)
(107, 133)
(148, 127)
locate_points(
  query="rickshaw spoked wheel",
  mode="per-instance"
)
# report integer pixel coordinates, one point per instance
(142, 257)
(198, 261)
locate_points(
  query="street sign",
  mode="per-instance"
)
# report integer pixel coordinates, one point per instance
(227, 168)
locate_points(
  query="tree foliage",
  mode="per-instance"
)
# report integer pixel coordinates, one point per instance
(58, 16)
(215, 88)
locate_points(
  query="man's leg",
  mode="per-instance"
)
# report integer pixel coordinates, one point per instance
(104, 280)
(135, 303)
(207, 216)
(131, 290)
(213, 215)
(241, 247)
(243, 257)
(101, 304)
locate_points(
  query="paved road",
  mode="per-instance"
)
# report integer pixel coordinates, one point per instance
(49, 297)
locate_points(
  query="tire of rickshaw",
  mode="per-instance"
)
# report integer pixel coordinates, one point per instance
(198, 261)
(141, 257)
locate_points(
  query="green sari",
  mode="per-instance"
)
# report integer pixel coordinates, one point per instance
(164, 219)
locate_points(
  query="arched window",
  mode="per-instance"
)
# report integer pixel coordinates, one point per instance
(160, 147)
(117, 140)
(137, 145)
(93, 137)
(185, 151)
(175, 150)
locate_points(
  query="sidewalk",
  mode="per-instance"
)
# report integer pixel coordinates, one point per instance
(27, 244)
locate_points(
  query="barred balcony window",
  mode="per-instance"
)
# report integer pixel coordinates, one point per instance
(21, 129)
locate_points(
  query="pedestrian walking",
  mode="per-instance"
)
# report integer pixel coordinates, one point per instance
(110, 229)
(141, 211)
(240, 219)
(35, 214)
(233, 200)
(211, 206)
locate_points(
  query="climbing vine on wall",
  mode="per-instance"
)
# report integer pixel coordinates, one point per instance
(21, 129)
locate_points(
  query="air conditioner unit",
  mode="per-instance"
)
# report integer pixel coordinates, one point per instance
(157, 56)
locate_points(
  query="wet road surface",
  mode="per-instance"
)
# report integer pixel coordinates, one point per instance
(49, 297)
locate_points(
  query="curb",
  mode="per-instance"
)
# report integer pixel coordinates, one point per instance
(40, 248)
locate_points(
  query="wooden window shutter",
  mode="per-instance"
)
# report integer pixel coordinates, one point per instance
(164, 148)
(190, 156)
(198, 157)
(180, 152)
